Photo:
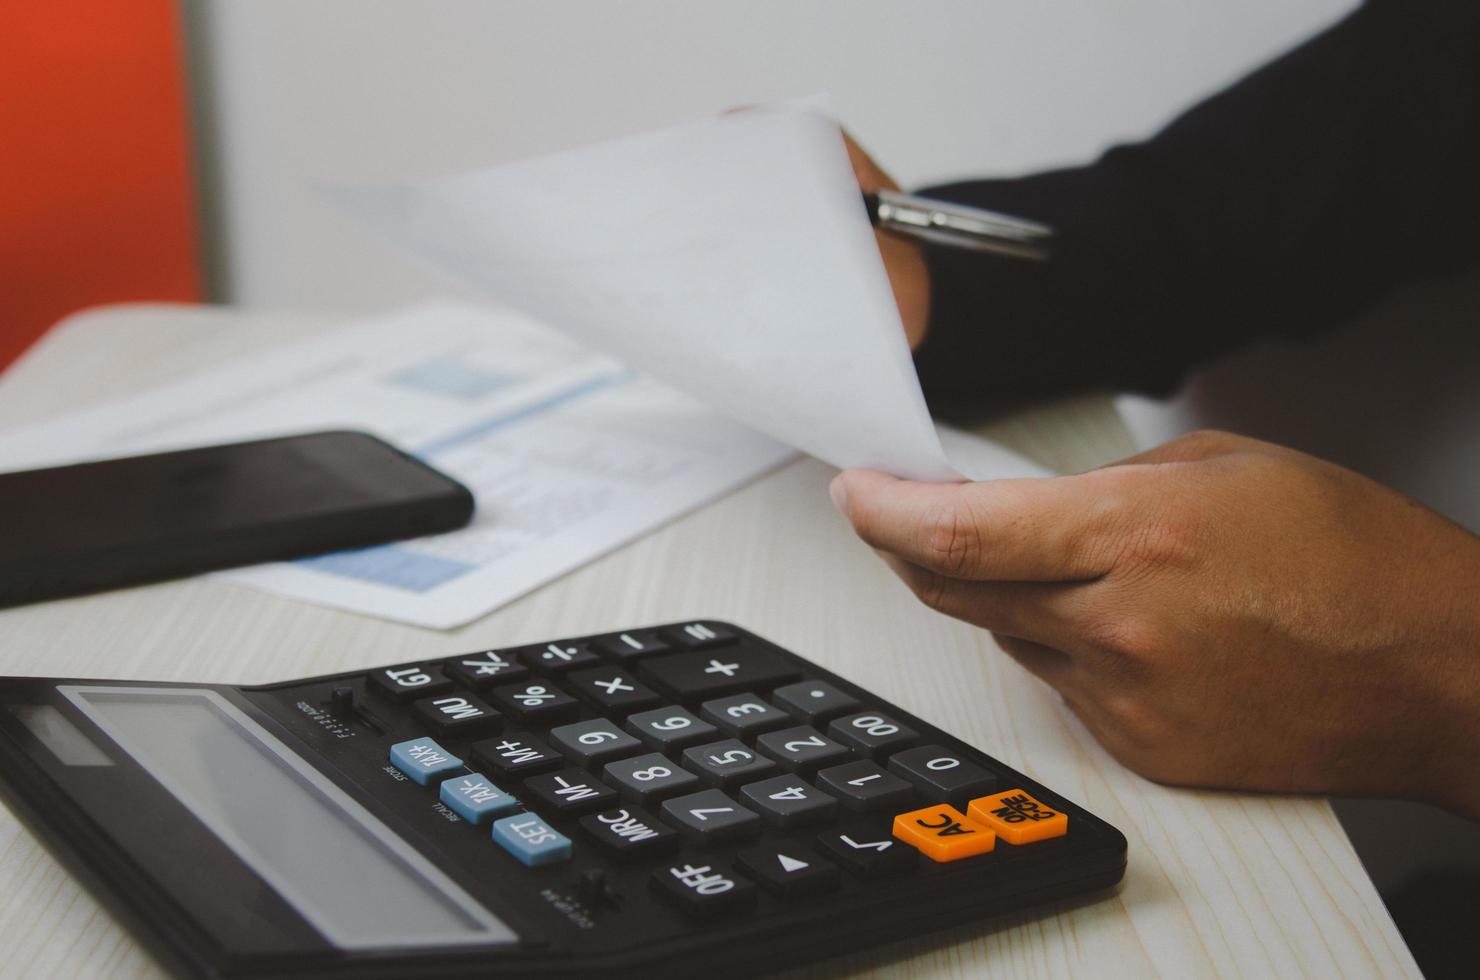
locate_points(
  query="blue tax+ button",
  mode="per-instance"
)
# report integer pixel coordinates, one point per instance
(422, 758)
(531, 840)
(473, 798)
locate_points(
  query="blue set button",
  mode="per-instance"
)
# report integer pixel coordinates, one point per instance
(474, 798)
(422, 759)
(531, 840)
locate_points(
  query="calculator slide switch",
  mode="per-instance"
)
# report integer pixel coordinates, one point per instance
(532, 841)
(942, 833)
(1018, 818)
(422, 759)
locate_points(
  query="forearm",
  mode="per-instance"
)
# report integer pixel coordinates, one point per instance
(1282, 206)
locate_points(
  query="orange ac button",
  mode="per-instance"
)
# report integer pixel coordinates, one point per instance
(1018, 818)
(943, 833)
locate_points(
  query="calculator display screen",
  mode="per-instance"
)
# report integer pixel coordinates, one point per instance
(341, 868)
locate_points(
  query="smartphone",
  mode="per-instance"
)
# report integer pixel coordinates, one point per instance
(73, 529)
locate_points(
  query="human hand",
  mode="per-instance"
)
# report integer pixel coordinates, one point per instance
(904, 258)
(1218, 611)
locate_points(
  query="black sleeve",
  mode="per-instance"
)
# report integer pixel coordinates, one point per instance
(1281, 206)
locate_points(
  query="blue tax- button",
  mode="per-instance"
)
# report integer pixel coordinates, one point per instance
(531, 840)
(422, 758)
(474, 798)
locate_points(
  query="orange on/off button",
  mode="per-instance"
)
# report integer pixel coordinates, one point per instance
(1018, 818)
(943, 833)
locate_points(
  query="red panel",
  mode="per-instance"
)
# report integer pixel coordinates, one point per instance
(96, 197)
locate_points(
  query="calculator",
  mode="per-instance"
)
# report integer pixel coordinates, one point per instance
(670, 801)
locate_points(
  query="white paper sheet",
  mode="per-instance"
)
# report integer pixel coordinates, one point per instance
(568, 453)
(730, 258)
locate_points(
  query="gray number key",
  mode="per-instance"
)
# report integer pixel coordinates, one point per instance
(670, 728)
(787, 801)
(872, 733)
(710, 816)
(648, 778)
(743, 715)
(941, 774)
(801, 749)
(727, 763)
(593, 743)
(865, 788)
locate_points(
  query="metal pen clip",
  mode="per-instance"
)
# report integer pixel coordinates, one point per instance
(959, 226)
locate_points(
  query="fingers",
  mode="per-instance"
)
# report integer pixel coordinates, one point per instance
(1045, 612)
(1034, 530)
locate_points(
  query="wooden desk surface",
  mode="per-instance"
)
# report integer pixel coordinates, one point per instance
(1219, 884)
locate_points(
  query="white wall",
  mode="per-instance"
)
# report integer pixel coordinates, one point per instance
(305, 90)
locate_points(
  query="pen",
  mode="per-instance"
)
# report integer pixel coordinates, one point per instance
(958, 225)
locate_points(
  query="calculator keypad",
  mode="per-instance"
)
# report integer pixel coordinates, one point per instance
(691, 636)
(569, 791)
(457, 716)
(480, 671)
(594, 743)
(475, 799)
(612, 691)
(869, 851)
(423, 759)
(515, 755)
(704, 889)
(813, 701)
(408, 683)
(872, 733)
(942, 774)
(629, 832)
(557, 657)
(536, 702)
(714, 673)
(727, 763)
(743, 715)
(787, 801)
(670, 728)
(801, 749)
(720, 760)
(790, 869)
(865, 788)
(646, 779)
(530, 840)
(631, 645)
(711, 816)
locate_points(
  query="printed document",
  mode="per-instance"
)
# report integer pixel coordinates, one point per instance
(567, 453)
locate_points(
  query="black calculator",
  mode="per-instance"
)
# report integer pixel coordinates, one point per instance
(662, 802)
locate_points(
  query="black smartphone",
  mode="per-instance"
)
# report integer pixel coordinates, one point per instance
(73, 529)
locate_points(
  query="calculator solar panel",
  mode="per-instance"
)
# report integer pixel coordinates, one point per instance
(674, 799)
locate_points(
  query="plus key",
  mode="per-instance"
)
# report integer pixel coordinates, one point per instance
(704, 674)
